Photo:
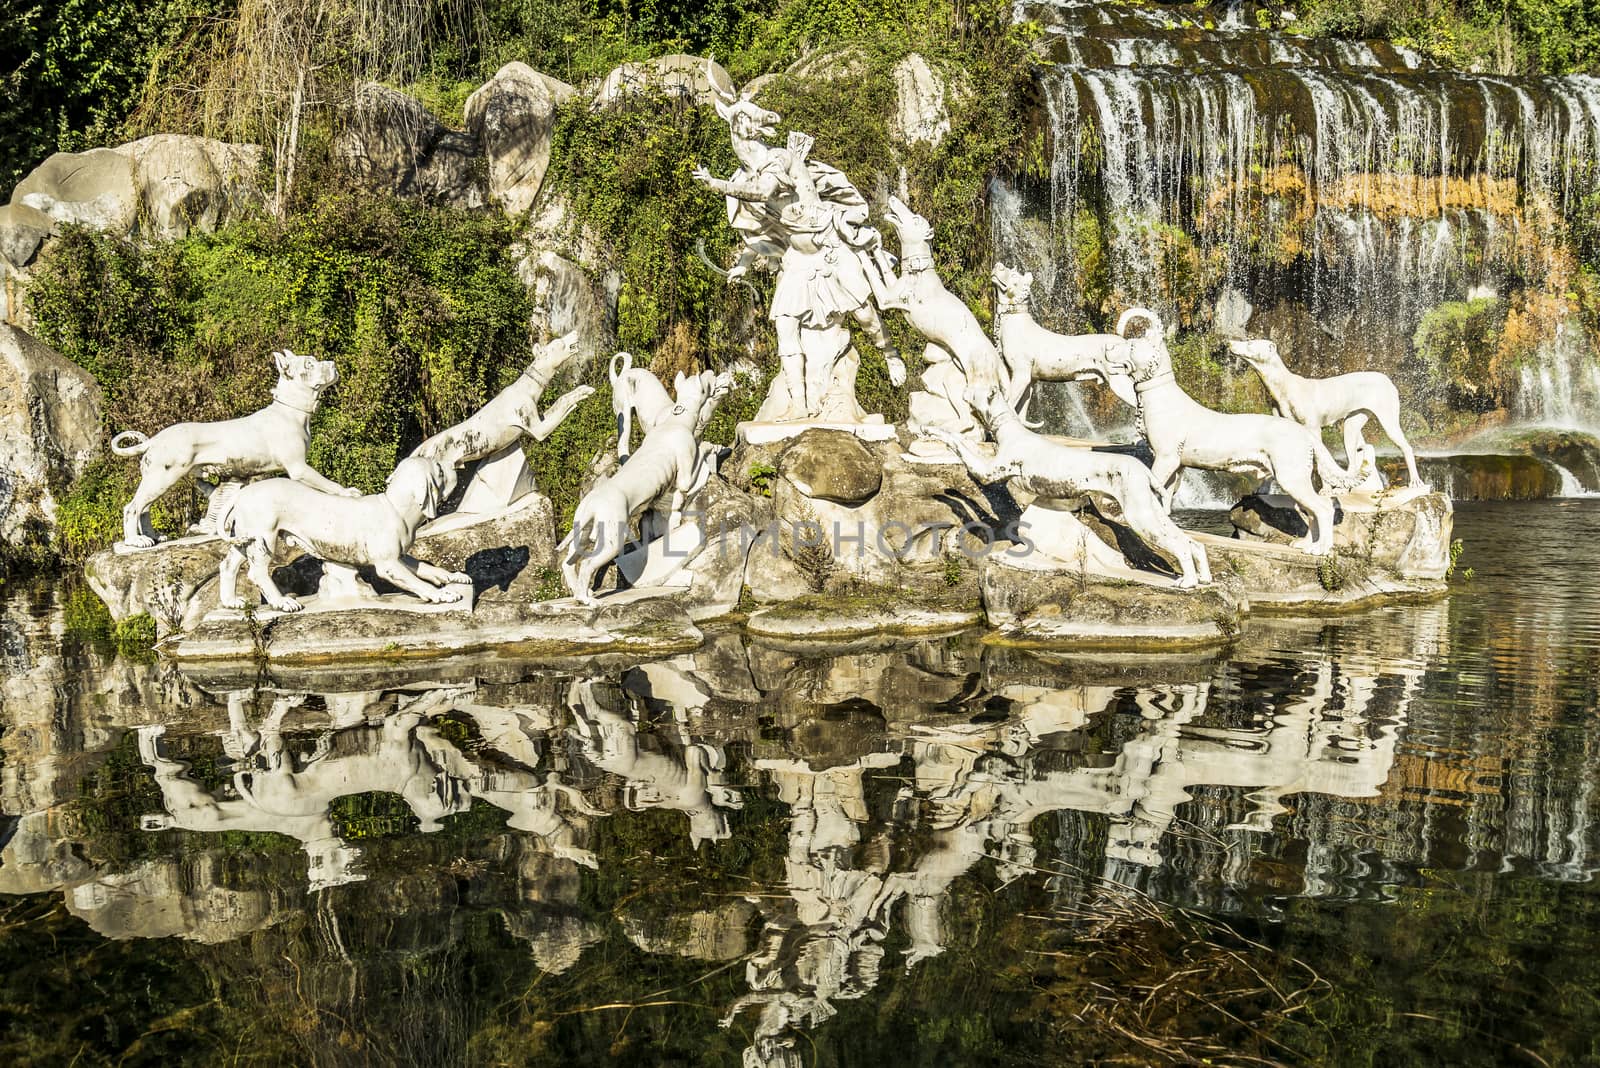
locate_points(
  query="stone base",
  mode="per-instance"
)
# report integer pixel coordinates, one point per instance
(642, 620)
(1066, 607)
(752, 433)
(1280, 578)
(1405, 533)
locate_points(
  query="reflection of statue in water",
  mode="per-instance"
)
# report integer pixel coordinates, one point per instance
(826, 945)
(278, 791)
(689, 781)
(809, 220)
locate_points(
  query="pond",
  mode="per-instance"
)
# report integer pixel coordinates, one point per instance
(1365, 839)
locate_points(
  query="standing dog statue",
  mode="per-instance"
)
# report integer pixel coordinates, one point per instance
(935, 312)
(376, 531)
(1054, 471)
(669, 458)
(1318, 402)
(1184, 433)
(1034, 354)
(271, 440)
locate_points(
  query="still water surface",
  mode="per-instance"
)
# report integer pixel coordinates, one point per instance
(1364, 840)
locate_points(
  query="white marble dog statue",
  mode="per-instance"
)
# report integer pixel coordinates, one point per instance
(669, 458)
(271, 440)
(1054, 471)
(1184, 433)
(1034, 354)
(376, 530)
(935, 312)
(636, 395)
(500, 424)
(1318, 402)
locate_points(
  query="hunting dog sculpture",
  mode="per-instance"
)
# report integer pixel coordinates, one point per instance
(1184, 433)
(376, 531)
(1318, 402)
(669, 458)
(935, 312)
(1054, 471)
(268, 441)
(1033, 354)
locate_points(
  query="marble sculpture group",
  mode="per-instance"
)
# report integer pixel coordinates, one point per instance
(808, 223)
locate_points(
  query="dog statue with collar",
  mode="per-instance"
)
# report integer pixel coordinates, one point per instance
(271, 440)
(1034, 354)
(372, 531)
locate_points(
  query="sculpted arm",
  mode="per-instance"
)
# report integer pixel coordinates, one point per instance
(761, 188)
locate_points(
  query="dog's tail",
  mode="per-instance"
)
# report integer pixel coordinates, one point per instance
(140, 444)
(621, 403)
(1131, 314)
(1334, 478)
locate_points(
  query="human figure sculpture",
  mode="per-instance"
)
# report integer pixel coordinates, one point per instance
(1053, 471)
(936, 313)
(1318, 402)
(493, 433)
(373, 531)
(268, 441)
(1032, 353)
(1184, 433)
(809, 219)
(669, 459)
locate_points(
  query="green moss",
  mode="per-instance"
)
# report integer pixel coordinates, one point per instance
(135, 636)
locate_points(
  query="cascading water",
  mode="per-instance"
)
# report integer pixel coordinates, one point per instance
(1344, 188)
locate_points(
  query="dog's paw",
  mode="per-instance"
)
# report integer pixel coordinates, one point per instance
(458, 576)
(139, 541)
(441, 596)
(285, 604)
(236, 603)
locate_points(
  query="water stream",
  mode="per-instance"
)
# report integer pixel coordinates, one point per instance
(939, 852)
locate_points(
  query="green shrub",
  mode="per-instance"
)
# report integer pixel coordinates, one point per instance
(420, 308)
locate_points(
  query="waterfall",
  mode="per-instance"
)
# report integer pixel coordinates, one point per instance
(1560, 387)
(1345, 187)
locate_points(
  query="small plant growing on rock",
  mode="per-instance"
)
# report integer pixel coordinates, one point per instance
(761, 477)
(806, 543)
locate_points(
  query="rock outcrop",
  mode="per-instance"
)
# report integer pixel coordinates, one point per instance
(920, 113)
(50, 411)
(511, 116)
(392, 142)
(161, 187)
(682, 76)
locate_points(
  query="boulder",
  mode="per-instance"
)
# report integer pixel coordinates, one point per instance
(94, 189)
(831, 465)
(689, 78)
(566, 298)
(191, 183)
(711, 934)
(22, 230)
(920, 114)
(50, 411)
(391, 141)
(512, 116)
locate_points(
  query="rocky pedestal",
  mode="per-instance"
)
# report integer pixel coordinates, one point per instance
(1394, 538)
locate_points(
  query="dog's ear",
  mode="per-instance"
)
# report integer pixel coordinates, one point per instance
(280, 360)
